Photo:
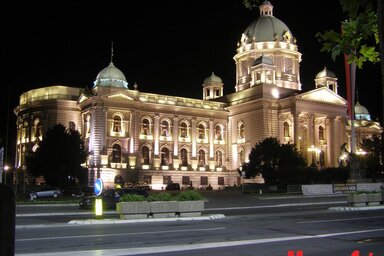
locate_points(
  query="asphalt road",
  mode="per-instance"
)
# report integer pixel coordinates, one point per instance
(248, 225)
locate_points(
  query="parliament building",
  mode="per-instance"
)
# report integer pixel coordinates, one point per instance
(158, 139)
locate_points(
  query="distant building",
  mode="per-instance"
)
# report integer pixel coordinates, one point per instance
(159, 139)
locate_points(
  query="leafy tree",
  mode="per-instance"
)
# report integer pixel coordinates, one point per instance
(269, 157)
(372, 160)
(58, 156)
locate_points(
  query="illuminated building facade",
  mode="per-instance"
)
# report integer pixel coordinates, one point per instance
(158, 139)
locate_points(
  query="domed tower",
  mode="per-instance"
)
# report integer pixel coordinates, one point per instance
(326, 78)
(361, 112)
(212, 87)
(110, 77)
(267, 53)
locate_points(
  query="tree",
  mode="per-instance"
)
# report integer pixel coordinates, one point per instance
(58, 156)
(372, 159)
(358, 41)
(269, 156)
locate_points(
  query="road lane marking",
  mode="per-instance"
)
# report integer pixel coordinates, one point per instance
(273, 206)
(187, 247)
(119, 234)
(336, 220)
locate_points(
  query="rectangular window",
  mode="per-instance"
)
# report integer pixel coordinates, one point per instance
(148, 179)
(204, 180)
(220, 180)
(167, 179)
(185, 180)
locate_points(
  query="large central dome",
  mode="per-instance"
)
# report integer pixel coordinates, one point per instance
(267, 28)
(111, 76)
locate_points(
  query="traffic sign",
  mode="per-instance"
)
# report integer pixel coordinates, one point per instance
(98, 186)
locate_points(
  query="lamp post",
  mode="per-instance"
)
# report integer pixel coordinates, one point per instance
(6, 168)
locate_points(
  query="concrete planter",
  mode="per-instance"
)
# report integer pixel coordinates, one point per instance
(159, 209)
(133, 210)
(357, 200)
(190, 208)
(364, 199)
(374, 199)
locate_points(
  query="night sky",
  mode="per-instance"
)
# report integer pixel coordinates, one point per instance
(166, 47)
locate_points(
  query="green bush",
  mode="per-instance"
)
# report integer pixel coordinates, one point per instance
(162, 196)
(189, 195)
(132, 198)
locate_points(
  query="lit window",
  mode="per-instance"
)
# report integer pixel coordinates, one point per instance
(117, 124)
(321, 133)
(201, 157)
(145, 155)
(241, 131)
(218, 132)
(286, 129)
(219, 158)
(164, 156)
(145, 128)
(201, 131)
(116, 153)
(183, 130)
(164, 128)
(184, 157)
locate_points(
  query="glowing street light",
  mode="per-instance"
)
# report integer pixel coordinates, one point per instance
(361, 152)
(6, 168)
(314, 150)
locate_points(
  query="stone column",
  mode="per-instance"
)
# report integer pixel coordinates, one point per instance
(331, 142)
(211, 139)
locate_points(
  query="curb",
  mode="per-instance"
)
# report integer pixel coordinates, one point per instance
(351, 208)
(118, 221)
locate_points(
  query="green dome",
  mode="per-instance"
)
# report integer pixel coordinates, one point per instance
(267, 28)
(111, 77)
(325, 73)
(212, 79)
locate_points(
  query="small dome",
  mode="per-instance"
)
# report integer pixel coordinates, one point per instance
(325, 73)
(212, 79)
(111, 76)
(267, 28)
(361, 112)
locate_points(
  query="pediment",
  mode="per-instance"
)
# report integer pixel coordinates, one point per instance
(324, 95)
(120, 95)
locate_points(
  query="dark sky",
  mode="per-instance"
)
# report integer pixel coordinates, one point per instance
(167, 47)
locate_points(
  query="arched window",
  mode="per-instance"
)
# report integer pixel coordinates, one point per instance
(116, 153)
(201, 157)
(183, 130)
(37, 128)
(88, 124)
(286, 129)
(321, 133)
(145, 154)
(117, 124)
(218, 132)
(241, 131)
(164, 156)
(201, 131)
(164, 128)
(72, 126)
(219, 158)
(184, 157)
(146, 127)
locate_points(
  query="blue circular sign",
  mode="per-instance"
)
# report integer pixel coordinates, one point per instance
(98, 187)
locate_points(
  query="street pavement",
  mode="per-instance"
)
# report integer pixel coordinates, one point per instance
(228, 199)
